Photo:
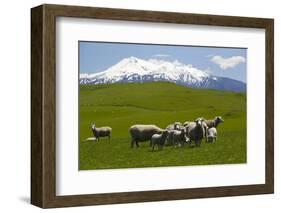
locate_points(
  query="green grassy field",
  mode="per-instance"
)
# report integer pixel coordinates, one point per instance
(123, 105)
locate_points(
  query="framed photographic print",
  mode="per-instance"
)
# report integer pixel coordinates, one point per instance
(136, 106)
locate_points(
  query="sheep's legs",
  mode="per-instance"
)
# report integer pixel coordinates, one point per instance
(182, 143)
(189, 143)
(197, 143)
(132, 143)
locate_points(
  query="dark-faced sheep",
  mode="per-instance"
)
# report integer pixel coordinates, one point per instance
(215, 122)
(205, 126)
(100, 132)
(195, 131)
(212, 135)
(142, 133)
(159, 140)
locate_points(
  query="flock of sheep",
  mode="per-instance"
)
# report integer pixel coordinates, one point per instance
(175, 134)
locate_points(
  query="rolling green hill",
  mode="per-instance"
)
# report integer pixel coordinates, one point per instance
(161, 103)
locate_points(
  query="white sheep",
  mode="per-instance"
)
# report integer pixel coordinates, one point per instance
(159, 139)
(215, 122)
(212, 135)
(141, 133)
(101, 132)
(205, 126)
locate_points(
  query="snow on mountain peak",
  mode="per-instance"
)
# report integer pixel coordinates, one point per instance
(134, 69)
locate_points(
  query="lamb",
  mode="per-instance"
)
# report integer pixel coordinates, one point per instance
(170, 138)
(142, 133)
(195, 131)
(101, 132)
(212, 135)
(171, 128)
(215, 122)
(179, 137)
(159, 140)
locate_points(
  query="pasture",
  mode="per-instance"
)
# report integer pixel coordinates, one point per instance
(161, 103)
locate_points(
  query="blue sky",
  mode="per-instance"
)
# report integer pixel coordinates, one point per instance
(227, 62)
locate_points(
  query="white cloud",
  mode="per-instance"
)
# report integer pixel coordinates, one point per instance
(226, 63)
(161, 55)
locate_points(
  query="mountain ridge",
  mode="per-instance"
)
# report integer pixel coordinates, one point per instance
(137, 70)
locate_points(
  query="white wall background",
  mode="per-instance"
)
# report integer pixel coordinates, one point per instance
(15, 104)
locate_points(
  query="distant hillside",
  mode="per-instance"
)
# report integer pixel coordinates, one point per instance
(159, 96)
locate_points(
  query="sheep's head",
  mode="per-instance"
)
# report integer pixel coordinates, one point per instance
(93, 126)
(198, 122)
(177, 125)
(219, 119)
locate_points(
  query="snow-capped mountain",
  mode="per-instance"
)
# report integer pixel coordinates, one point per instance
(138, 70)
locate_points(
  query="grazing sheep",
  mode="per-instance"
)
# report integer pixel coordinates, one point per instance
(212, 135)
(159, 139)
(179, 137)
(101, 132)
(94, 139)
(174, 126)
(215, 122)
(195, 131)
(141, 133)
